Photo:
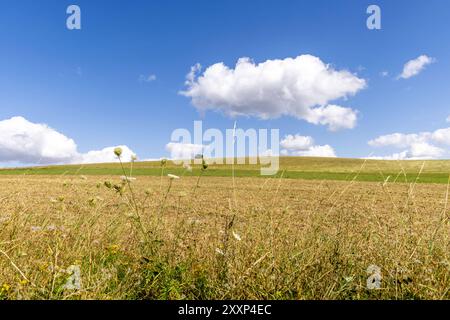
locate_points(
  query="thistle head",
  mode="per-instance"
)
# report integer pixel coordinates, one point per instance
(118, 152)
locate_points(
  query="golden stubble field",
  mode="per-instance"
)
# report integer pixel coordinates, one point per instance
(76, 237)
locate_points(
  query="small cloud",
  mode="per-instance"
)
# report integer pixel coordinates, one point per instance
(448, 119)
(184, 151)
(148, 78)
(304, 146)
(415, 66)
(384, 74)
(423, 145)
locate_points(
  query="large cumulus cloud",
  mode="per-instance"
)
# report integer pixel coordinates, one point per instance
(302, 87)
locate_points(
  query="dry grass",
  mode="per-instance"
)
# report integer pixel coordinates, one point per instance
(276, 239)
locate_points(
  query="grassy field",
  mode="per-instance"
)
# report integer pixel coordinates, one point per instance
(81, 235)
(433, 171)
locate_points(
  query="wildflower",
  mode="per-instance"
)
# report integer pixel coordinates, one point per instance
(127, 179)
(5, 218)
(172, 176)
(114, 248)
(5, 287)
(219, 251)
(108, 184)
(74, 280)
(236, 236)
(349, 279)
(163, 162)
(35, 228)
(133, 157)
(118, 152)
(374, 280)
(23, 282)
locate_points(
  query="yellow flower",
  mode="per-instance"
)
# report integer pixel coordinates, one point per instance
(6, 287)
(114, 248)
(23, 282)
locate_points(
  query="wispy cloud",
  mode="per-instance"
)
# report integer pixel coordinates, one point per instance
(147, 78)
(415, 66)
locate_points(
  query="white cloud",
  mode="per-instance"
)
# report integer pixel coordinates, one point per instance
(25, 142)
(105, 155)
(147, 78)
(304, 146)
(335, 117)
(318, 151)
(448, 119)
(399, 140)
(384, 74)
(183, 151)
(441, 136)
(301, 87)
(297, 142)
(424, 145)
(415, 66)
(21, 140)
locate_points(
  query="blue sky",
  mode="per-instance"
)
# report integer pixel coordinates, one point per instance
(85, 83)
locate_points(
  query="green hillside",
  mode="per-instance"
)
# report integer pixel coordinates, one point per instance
(431, 171)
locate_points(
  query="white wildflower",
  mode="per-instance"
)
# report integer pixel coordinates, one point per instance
(374, 280)
(36, 228)
(219, 251)
(172, 176)
(127, 179)
(237, 236)
(74, 280)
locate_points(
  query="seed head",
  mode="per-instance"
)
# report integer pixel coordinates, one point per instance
(118, 152)
(204, 165)
(163, 162)
(172, 176)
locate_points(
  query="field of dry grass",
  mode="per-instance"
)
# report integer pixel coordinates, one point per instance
(94, 237)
